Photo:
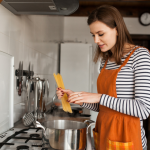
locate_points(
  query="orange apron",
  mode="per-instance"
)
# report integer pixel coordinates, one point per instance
(115, 130)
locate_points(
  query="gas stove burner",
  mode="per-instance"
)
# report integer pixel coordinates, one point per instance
(23, 147)
(34, 135)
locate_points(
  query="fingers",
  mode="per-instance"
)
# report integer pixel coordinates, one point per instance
(59, 93)
(72, 98)
(75, 95)
(75, 100)
(67, 91)
(59, 88)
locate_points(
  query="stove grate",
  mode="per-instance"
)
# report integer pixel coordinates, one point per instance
(19, 132)
(22, 147)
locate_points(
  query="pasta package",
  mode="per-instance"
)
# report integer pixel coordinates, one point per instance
(66, 105)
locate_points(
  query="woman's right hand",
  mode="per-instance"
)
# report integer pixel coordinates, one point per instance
(60, 92)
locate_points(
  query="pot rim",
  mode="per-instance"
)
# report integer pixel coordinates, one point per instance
(65, 129)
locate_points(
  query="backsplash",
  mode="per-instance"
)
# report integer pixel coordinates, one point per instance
(32, 39)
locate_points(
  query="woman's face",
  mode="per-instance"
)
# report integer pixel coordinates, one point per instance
(104, 36)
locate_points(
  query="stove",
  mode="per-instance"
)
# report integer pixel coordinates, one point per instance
(23, 139)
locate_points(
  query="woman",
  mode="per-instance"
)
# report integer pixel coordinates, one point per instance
(123, 84)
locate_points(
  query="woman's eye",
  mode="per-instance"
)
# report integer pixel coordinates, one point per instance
(93, 35)
(101, 34)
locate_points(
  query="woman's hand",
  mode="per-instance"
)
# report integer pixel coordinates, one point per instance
(84, 97)
(60, 92)
(69, 92)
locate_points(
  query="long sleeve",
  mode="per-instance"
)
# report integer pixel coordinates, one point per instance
(139, 106)
(91, 106)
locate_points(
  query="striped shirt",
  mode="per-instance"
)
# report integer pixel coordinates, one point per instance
(132, 86)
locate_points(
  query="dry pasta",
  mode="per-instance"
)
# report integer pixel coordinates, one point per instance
(66, 106)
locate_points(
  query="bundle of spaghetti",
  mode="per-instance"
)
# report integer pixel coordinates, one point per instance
(66, 105)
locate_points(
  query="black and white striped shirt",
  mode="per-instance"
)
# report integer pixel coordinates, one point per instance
(132, 86)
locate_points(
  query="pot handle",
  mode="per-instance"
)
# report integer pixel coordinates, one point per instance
(89, 143)
(38, 125)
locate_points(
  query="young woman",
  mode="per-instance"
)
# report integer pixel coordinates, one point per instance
(123, 85)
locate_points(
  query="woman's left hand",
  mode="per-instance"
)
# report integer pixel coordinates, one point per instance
(84, 97)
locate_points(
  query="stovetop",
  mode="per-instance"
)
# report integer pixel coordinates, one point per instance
(23, 139)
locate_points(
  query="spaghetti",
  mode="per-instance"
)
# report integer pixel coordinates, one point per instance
(66, 106)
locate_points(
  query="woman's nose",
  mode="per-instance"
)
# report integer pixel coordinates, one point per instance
(96, 39)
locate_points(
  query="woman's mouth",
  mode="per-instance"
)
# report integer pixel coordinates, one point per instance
(101, 45)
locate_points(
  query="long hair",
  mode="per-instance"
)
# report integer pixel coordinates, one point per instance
(110, 16)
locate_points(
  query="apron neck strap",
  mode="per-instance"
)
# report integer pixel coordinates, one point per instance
(105, 64)
(126, 60)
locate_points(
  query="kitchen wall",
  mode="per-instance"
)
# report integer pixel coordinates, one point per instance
(31, 39)
(77, 30)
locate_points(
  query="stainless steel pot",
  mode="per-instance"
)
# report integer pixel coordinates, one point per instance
(66, 134)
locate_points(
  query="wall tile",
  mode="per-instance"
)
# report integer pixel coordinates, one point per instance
(50, 49)
(17, 27)
(51, 27)
(19, 110)
(29, 33)
(16, 49)
(4, 42)
(37, 67)
(76, 29)
(25, 57)
(5, 20)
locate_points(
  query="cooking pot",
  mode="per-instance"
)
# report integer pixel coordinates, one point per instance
(66, 134)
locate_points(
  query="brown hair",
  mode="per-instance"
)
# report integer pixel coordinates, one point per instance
(110, 16)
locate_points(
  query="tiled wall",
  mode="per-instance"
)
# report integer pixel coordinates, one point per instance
(32, 39)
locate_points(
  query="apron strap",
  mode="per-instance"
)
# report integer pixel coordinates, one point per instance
(105, 64)
(126, 60)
